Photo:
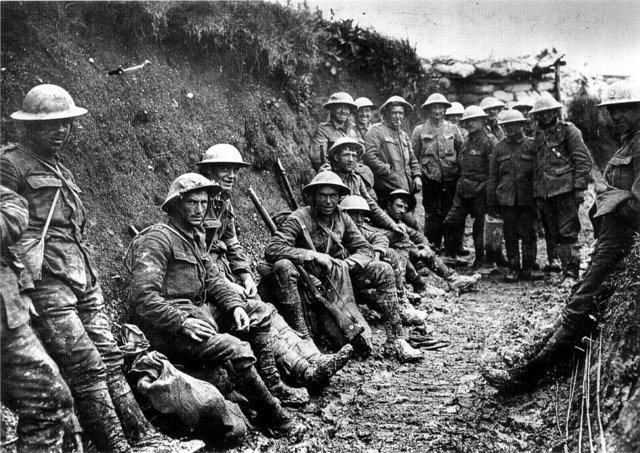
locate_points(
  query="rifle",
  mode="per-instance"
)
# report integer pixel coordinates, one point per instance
(293, 204)
(348, 326)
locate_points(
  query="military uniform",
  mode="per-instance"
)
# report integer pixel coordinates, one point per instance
(470, 195)
(563, 166)
(389, 155)
(31, 382)
(362, 169)
(324, 137)
(510, 192)
(495, 129)
(72, 322)
(438, 149)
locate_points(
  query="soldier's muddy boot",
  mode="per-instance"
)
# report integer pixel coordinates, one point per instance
(554, 265)
(292, 312)
(266, 364)
(462, 283)
(137, 429)
(277, 419)
(100, 421)
(512, 276)
(322, 370)
(411, 316)
(403, 351)
(570, 258)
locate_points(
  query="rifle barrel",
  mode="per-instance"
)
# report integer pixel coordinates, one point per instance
(266, 218)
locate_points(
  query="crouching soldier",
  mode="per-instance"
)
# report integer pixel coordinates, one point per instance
(222, 163)
(72, 323)
(510, 195)
(619, 209)
(31, 383)
(401, 203)
(325, 240)
(189, 313)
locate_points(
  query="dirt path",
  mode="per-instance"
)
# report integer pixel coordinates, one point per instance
(442, 404)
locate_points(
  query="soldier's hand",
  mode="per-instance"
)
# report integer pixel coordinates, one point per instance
(239, 289)
(323, 260)
(417, 184)
(579, 194)
(376, 256)
(400, 229)
(197, 329)
(241, 318)
(250, 287)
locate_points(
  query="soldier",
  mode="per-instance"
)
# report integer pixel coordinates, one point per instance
(619, 209)
(222, 163)
(363, 117)
(563, 167)
(188, 312)
(341, 107)
(453, 114)
(402, 203)
(389, 154)
(510, 195)
(437, 144)
(72, 323)
(470, 195)
(31, 383)
(492, 107)
(524, 106)
(326, 241)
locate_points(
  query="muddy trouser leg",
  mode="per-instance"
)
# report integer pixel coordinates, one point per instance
(435, 263)
(568, 229)
(432, 193)
(527, 233)
(457, 215)
(595, 221)
(614, 243)
(32, 387)
(379, 275)
(61, 327)
(446, 203)
(289, 301)
(551, 233)
(511, 218)
(397, 259)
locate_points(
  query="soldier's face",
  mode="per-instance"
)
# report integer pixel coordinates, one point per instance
(340, 112)
(225, 175)
(512, 129)
(546, 116)
(357, 217)
(49, 136)
(398, 208)
(493, 113)
(625, 117)
(473, 125)
(364, 116)
(346, 159)
(326, 200)
(396, 116)
(524, 110)
(436, 112)
(455, 119)
(192, 207)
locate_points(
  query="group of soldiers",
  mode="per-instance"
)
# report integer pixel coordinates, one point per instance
(356, 240)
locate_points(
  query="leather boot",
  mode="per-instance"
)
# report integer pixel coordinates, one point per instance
(262, 345)
(319, 373)
(570, 260)
(293, 314)
(100, 421)
(249, 384)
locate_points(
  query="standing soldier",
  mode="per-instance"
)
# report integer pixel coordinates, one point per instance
(437, 144)
(510, 195)
(453, 115)
(563, 167)
(72, 321)
(492, 107)
(341, 107)
(388, 151)
(619, 209)
(524, 106)
(31, 383)
(470, 197)
(363, 118)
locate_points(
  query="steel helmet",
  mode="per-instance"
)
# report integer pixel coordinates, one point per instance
(473, 112)
(223, 154)
(365, 102)
(189, 182)
(355, 203)
(511, 116)
(47, 102)
(340, 98)
(409, 198)
(491, 103)
(622, 92)
(525, 104)
(397, 100)
(546, 102)
(455, 109)
(343, 142)
(436, 98)
(326, 178)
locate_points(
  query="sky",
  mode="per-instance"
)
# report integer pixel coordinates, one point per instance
(598, 37)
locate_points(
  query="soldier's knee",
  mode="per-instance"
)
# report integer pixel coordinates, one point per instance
(260, 314)
(382, 274)
(238, 353)
(285, 270)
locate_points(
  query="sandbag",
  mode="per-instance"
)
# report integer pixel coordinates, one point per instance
(197, 404)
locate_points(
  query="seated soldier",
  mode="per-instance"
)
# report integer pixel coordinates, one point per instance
(222, 163)
(358, 210)
(329, 245)
(400, 203)
(186, 309)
